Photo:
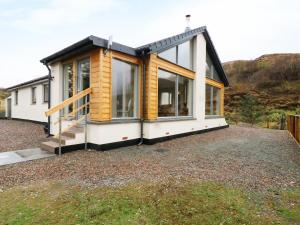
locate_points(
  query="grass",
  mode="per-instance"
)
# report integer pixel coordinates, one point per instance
(190, 203)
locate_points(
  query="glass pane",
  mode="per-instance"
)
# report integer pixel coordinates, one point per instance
(124, 89)
(83, 82)
(169, 55)
(46, 93)
(212, 100)
(185, 55)
(184, 96)
(208, 93)
(216, 101)
(210, 69)
(33, 97)
(166, 93)
(68, 84)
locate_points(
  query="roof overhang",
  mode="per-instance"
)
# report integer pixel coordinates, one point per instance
(29, 83)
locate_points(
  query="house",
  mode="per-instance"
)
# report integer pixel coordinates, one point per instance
(28, 100)
(104, 94)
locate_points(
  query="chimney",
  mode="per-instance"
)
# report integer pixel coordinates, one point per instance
(187, 19)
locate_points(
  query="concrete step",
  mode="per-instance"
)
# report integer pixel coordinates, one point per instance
(64, 139)
(73, 131)
(49, 146)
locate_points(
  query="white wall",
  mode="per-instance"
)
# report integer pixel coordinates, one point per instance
(25, 109)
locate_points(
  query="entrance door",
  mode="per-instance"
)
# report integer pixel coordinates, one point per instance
(83, 81)
(9, 108)
(67, 87)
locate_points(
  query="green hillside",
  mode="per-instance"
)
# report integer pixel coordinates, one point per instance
(274, 80)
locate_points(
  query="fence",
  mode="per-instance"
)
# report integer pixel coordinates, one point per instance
(293, 126)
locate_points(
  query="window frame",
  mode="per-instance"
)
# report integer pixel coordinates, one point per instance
(220, 87)
(33, 95)
(136, 104)
(44, 93)
(176, 97)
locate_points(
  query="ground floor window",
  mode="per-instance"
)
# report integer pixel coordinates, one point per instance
(124, 89)
(33, 95)
(212, 100)
(174, 95)
(46, 92)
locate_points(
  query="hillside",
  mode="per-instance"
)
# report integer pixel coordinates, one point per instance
(274, 79)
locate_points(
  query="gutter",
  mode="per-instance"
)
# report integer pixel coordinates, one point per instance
(49, 95)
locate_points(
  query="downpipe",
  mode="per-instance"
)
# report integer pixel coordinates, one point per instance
(49, 95)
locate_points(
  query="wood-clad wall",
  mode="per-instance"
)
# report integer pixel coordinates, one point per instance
(101, 97)
(221, 87)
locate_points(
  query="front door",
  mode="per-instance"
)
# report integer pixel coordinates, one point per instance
(83, 81)
(9, 108)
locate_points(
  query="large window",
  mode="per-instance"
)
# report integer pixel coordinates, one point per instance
(181, 54)
(46, 92)
(33, 95)
(124, 89)
(210, 69)
(16, 97)
(174, 95)
(212, 101)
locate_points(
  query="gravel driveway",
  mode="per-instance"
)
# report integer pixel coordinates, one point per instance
(251, 157)
(17, 135)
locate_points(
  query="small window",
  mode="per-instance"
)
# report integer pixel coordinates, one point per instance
(33, 95)
(46, 92)
(212, 100)
(16, 97)
(124, 89)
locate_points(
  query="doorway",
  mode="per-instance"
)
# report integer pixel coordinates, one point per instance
(9, 108)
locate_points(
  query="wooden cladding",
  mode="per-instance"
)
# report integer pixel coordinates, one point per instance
(101, 98)
(171, 67)
(221, 87)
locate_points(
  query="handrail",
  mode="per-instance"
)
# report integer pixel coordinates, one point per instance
(73, 112)
(68, 101)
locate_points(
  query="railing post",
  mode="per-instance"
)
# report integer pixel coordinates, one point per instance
(59, 133)
(85, 124)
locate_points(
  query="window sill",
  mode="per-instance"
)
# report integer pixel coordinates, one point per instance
(214, 117)
(171, 119)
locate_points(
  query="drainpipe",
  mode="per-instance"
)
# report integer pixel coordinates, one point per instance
(49, 94)
(144, 56)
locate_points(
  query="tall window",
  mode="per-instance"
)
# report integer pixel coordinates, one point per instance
(181, 54)
(174, 95)
(212, 100)
(16, 97)
(210, 69)
(68, 85)
(46, 92)
(33, 95)
(124, 89)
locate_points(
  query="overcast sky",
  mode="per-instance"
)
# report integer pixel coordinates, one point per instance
(33, 29)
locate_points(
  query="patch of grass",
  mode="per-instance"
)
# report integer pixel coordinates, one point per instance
(189, 203)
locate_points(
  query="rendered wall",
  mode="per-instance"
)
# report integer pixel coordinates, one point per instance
(25, 109)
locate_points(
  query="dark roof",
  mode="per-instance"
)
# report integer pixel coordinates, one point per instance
(40, 79)
(86, 44)
(93, 42)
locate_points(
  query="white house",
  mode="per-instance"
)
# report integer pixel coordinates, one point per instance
(28, 100)
(166, 89)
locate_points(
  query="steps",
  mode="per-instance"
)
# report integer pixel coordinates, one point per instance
(71, 137)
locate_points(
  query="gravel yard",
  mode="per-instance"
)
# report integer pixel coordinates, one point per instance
(250, 157)
(17, 135)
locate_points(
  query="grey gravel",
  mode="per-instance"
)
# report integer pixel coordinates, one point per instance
(250, 157)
